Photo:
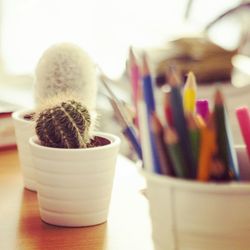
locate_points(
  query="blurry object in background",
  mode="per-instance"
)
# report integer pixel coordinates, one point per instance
(241, 70)
(241, 62)
(7, 133)
(105, 28)
(208, 61)
(209, 53)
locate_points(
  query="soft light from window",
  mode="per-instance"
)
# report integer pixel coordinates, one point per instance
(105, 29)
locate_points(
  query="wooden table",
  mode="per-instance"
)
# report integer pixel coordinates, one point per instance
(128, 226)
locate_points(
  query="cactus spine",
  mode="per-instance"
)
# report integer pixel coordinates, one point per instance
(64, 125)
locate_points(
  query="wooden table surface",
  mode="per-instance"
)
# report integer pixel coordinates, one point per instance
(128, 226)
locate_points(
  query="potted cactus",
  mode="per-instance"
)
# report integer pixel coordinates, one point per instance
(74, 165)
(63, 67)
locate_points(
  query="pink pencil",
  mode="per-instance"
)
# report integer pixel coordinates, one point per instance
(135, 79)
(244, 122)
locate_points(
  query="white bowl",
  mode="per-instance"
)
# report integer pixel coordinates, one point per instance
(74, 185)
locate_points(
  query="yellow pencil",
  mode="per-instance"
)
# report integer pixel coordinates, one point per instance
(189, 93)
(208, 148)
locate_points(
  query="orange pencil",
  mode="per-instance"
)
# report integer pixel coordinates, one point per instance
(208, 148)
(199, 121)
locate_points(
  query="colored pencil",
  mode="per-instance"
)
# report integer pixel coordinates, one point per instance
(163, 156)
(135, 80)
(167, 109)
(174, 150)
(180, 123)
(199, 121)
(232, 155)
(147, 86)
(189, 93)
(147, 154)
(243, 117)
(208, 148)
(194, 135)
(202, 108)
(127, 129)
(222, 137)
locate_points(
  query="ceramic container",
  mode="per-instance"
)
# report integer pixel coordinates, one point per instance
(24, 129)
(190, 215)
(74, 185)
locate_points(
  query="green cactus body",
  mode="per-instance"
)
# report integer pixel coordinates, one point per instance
(64, 125)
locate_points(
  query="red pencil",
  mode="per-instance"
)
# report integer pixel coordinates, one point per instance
(167, 109)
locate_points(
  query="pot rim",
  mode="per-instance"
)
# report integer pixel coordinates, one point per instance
(18, 115)
(114, 142)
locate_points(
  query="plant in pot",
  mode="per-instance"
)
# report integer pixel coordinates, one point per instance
(63, 67)
(74, 165)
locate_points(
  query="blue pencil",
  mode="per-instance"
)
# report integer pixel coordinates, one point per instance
(128, 129)
(148, 94)
(180, 123)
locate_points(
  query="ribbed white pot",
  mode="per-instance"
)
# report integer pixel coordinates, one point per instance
(74, 185)
(189, 215)
(24, 129)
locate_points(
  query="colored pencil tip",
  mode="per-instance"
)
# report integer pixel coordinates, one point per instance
(145, 68)
(211, 121)
(200, 121)
(218, 97)
(191, 121)
(174, 77)
(242, 109)
(131, 56)
(191, 81)
(166, 100)
(156, 123)
(170, 136)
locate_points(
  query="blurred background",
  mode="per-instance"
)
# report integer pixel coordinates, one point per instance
(211, 38)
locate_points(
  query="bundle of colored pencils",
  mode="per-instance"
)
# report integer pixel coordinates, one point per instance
(192, 141)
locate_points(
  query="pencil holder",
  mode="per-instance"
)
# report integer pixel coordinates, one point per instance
(190, 215)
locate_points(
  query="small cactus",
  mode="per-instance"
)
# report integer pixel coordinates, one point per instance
(65, 67)
(65, 124)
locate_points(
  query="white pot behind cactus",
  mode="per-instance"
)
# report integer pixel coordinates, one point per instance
(66, 67)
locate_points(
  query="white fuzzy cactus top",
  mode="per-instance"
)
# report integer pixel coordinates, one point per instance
(66, 67)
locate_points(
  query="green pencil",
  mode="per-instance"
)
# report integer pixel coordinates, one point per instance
(174, 150)
(222, 140)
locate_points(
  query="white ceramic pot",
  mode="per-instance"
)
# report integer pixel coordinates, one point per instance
(74, 185)
(190, 215)
(24, 129)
